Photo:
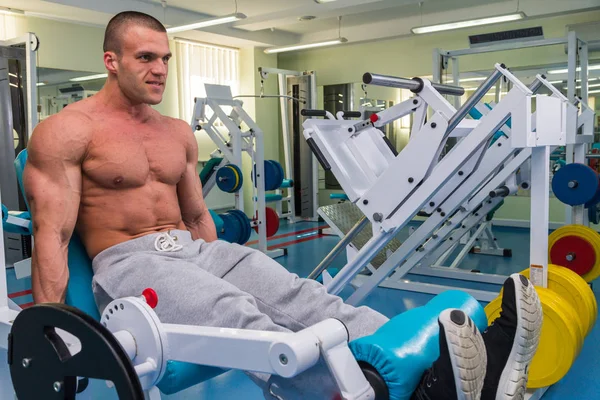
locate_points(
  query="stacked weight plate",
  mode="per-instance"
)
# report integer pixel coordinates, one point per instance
(230, 178)
(236, 227)
(577, 248)
(570, 312)
(273, 175)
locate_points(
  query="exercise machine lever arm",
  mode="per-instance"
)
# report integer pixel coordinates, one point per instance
(415, 84)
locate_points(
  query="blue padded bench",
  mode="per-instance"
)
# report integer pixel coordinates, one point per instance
(179, 375)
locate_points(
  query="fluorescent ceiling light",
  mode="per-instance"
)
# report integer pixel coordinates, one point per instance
(40, 84)
(88, 78)
(6, 10)
(479, 78)
(476, 79)
(566, 70)
(589, 86)
(468, 24)
(207, 22)
(324, 1)
(305, 46)
(593, 91)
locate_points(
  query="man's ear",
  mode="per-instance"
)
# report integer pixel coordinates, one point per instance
(110, 61)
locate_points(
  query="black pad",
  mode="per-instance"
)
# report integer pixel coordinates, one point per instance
(33, 336)
(375, 380)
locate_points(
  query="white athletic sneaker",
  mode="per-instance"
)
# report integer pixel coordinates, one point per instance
(459, 372)
(512, 340)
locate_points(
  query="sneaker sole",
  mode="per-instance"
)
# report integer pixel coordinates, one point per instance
(513, 381)
(467, 353)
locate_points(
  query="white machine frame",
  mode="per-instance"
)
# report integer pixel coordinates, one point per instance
(282, 75)
(250, 142)
(379, 180)
(576, 150)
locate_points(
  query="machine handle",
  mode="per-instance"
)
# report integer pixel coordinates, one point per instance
(323, 113)
(313, 113)
(415, 84)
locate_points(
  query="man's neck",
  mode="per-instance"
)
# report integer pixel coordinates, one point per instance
(111, 97)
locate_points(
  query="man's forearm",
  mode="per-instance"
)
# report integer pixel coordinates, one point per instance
(49, 269)
(202, 227)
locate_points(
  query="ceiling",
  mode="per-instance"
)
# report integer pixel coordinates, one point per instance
(276, 22)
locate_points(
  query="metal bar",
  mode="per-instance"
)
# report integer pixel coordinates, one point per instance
(456, 80)
(266, 96)
(458, 274)
(430, 288)
(341, 245)
(287, 149)
(462, 112)
(411, 84)
(540, 212)
(31, 46)
(467, 247)
(265, 71)
(505, 46)
(312, 84)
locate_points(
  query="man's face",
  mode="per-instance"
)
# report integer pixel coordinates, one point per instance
(143, 64)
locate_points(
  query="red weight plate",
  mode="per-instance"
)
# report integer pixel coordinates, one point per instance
(575, 253)
(272, 222)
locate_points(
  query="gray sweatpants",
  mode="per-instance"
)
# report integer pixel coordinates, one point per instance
(221, 284)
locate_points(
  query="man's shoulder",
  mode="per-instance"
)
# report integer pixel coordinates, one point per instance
(176, 123)
(68, 131)
(177, 127)
(69, 121)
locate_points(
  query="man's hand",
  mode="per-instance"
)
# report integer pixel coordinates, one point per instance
(194, 212)
(52, 180)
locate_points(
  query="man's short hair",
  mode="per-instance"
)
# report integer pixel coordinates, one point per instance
(116, 28)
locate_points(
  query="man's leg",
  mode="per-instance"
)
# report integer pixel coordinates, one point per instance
(288, 300)
(297, 303)
(192, 296)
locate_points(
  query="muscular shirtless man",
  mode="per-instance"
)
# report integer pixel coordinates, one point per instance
(123, 177)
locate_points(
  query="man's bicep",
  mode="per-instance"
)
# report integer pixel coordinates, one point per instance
(52, 181)
(190, 187)
(53, 198)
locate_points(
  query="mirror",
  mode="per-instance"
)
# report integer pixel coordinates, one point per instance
(58, 88)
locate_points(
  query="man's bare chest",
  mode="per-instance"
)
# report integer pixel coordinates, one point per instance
(130, 156)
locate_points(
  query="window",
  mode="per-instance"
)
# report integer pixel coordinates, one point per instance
(198, 64)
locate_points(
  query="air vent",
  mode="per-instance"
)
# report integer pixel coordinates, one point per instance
(506, 36)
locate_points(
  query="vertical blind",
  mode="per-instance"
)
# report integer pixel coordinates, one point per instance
(198, 64)
(8, 26)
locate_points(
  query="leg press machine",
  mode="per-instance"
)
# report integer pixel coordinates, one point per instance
(454, 191)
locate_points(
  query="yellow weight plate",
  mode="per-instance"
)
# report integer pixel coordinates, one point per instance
(580, 294)
(558, 345)
(568, 285)
(591, 236)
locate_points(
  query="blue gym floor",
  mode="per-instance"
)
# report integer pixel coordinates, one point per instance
(307, 247)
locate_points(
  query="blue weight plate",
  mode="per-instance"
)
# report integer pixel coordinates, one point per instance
(583, 179)
(281, 173)
(595, 200)
(244, 223)
(229, 178)
(232, 231)
(270, 175)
